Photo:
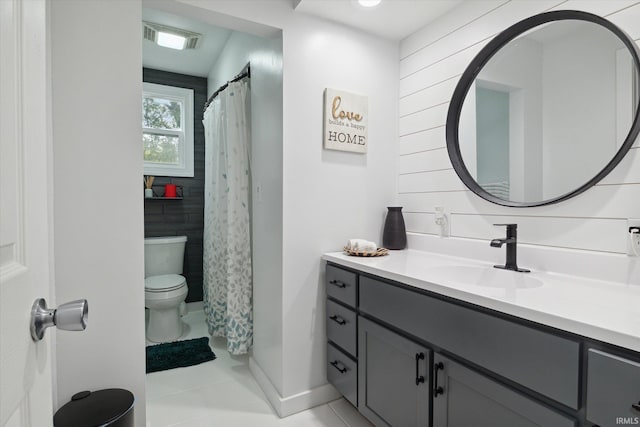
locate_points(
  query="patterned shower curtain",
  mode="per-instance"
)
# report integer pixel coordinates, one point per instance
(227, 228)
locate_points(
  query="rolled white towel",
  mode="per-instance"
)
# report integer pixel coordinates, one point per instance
(361, 245)
(354, 244)
(369, 247)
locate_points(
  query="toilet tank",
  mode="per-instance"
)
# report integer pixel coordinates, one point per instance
(164, 255)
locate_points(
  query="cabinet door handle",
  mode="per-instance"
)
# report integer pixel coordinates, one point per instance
(437, 389)
(335, 364)
(419, 378)
(339, 320)
(338, 283)
(636, 406)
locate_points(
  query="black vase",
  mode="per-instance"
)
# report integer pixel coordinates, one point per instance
(394, 235)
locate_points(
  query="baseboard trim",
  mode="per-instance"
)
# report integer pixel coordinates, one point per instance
(285, 406)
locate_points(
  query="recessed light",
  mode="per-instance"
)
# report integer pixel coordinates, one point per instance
(173, 41)
(171, 37)
(369, 3)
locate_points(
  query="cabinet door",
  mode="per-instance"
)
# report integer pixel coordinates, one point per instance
(464, 398)
(393, 377)
(613, 389)
(498, 345)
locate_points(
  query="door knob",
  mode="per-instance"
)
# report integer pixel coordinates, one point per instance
(72, 316)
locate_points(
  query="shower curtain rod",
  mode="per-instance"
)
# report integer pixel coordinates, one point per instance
(246, 72)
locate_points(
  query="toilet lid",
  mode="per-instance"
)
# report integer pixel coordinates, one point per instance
(163, 283)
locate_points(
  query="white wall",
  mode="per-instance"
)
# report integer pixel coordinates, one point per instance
(328, 196)
(589, 229)
(265, 56)
(98, 204)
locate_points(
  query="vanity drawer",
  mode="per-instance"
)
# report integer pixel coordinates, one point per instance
(613, 386)
(341, 285)
(538, 360)
(342, 372)
(341, 326)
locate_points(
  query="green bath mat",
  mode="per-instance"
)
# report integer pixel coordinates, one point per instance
(178, 354)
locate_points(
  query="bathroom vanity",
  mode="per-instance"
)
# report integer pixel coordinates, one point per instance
(421, 339)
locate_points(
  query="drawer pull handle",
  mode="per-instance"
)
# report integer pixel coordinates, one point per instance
(335, 364)
(636, 406)
(338, 283)
(437, 389)
(339, 320)
(419, 378)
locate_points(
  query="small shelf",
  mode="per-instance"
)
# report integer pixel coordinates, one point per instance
(159, 191)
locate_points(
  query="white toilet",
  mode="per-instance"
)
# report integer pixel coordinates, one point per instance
(164, 287)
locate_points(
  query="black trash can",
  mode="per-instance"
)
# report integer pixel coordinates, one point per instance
(109, 407)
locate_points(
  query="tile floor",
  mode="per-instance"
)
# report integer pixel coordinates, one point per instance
(223, 392)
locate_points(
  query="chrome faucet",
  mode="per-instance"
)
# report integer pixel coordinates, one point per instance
(512, 243)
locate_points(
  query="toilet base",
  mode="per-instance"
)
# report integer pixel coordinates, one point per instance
(164, 325)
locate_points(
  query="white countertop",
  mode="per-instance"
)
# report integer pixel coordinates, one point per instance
(604, 311)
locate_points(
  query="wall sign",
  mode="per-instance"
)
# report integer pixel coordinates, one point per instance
(346, 117)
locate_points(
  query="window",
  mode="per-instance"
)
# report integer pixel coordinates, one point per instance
(167, 130)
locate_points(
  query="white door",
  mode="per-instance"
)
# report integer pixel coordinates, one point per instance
(25, 188)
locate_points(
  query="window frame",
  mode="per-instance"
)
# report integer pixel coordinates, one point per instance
(185, 134)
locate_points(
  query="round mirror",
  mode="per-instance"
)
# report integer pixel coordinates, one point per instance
(546, 110)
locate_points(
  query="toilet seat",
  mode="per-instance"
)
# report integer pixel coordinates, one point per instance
(164, 283)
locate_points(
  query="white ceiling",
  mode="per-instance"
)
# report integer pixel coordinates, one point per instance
(194, 62)
(391, 19)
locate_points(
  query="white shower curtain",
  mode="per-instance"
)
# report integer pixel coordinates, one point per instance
(227, 227)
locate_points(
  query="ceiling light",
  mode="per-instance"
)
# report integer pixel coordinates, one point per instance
(369, 3)
(173, 41)
(171, 37)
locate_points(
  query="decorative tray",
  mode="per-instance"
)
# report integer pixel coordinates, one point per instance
(378, 252)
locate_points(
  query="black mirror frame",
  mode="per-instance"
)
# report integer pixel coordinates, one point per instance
(476, 65)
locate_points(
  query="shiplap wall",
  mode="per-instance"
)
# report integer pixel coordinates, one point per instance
(432, 61)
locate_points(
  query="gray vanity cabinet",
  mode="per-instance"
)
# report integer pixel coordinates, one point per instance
(393, 377)
(613, 389)
(407, 357)
(464, 398)
(498, 345)
(342, 354)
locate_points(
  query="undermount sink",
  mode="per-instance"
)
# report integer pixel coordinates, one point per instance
(485, 276)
